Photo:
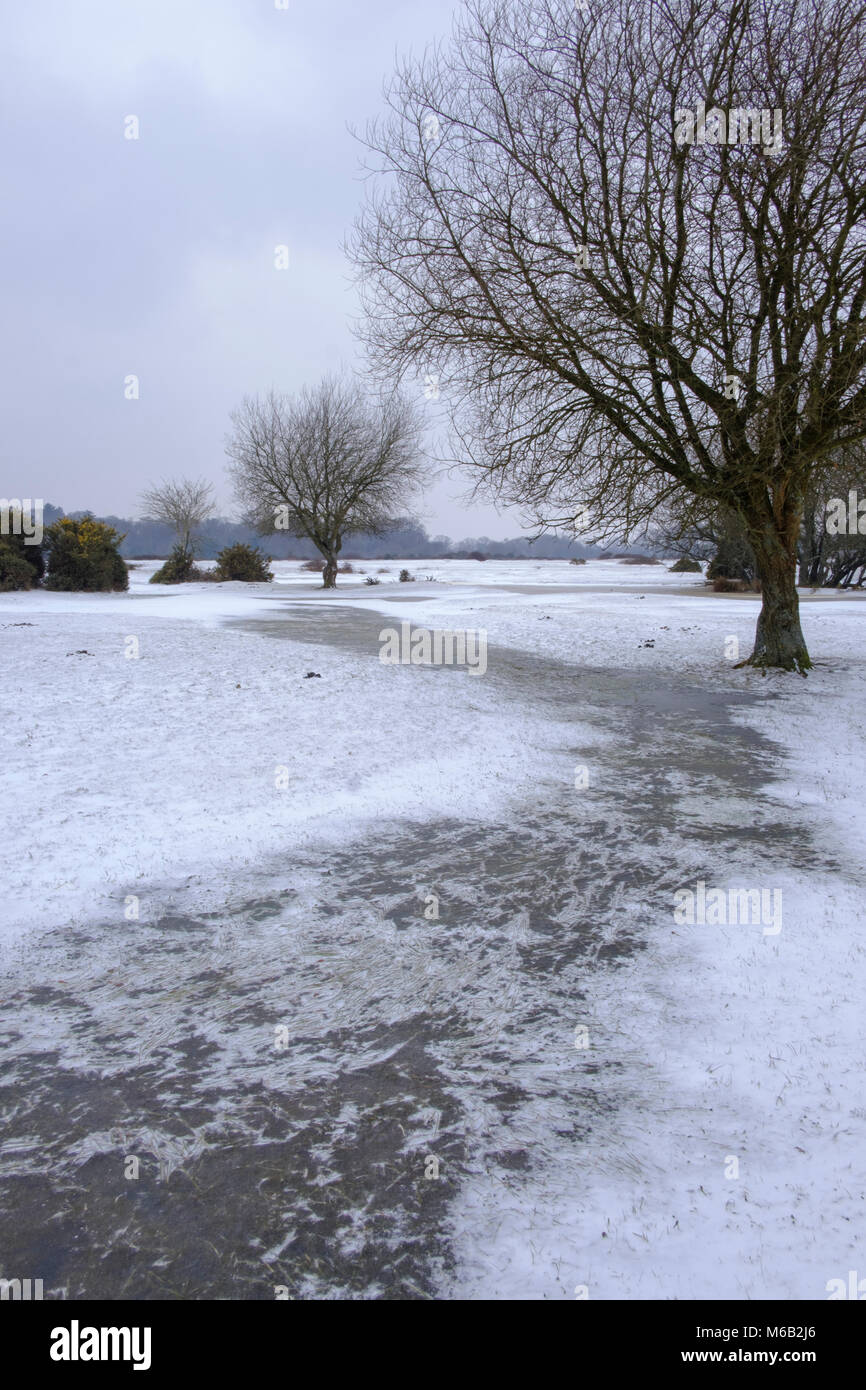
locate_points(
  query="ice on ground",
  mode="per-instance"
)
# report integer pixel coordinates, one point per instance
(172, 905)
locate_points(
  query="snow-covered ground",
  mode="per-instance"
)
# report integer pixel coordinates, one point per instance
(490, 573)
(166, 751)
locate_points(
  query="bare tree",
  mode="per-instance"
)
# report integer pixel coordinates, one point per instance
(324, 465)
(832, 549)
(630, 240)
(185, 506)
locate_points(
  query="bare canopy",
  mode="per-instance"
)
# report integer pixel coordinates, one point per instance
(184, 505)
(630, 238)
(328, 463)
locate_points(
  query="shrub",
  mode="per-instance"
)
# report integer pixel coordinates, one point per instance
(179, 568)
(83, 555)
(476, 555)
(406, 577)
(383, 571)
(242, 562)
(32, 554)
(724, 584)
(685, 566)
(637, 559)
(15, 573)
(21, 565)
(576, 561)
(314, 566)
(371, 579)
(345, 568)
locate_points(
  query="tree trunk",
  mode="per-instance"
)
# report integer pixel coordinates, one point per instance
(779, 640)
(329, 573)
(811, 547)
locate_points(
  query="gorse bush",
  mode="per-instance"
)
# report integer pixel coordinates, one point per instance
(21, 565)
(685, 566)
(243, 562)
(83, 555)
(15, 573)
(406, 577)
(179, 568)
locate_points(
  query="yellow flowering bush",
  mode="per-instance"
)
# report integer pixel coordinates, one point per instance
(83, 555)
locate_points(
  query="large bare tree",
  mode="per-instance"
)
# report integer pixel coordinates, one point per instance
(328, 463)
(184, 505)
(629, 237)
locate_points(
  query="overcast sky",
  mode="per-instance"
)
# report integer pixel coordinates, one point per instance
(155, 257)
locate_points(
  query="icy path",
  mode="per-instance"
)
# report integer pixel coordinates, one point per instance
(285, 1066)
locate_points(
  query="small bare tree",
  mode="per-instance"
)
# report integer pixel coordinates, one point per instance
(185, 506)
(326, 464)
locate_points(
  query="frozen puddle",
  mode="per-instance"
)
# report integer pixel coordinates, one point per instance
(291, 1091)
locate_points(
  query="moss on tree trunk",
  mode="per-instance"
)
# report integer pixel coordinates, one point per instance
(779, 640)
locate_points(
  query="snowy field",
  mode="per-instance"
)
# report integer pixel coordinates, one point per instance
(208, 843)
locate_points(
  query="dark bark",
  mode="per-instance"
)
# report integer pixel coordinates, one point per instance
(329, 573)
(779, 640)
(544, 250)
(811, 546)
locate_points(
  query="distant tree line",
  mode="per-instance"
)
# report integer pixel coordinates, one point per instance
(407, 539)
